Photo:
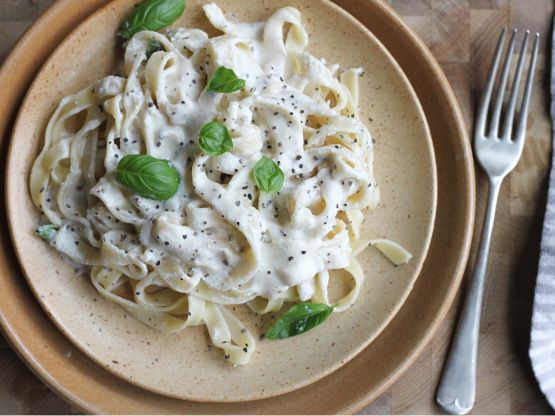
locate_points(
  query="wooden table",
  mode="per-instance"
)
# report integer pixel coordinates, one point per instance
(461, 34)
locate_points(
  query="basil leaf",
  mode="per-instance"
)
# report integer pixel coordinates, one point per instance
(299, 319)
(267, 175)
(147, 176)
(214, 139)
(46, 231)
(151, 15)
(224, 80)
(153, 46)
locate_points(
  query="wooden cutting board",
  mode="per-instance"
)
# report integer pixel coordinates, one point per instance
(461, 34)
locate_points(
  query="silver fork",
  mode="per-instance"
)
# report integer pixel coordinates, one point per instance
(498, 154)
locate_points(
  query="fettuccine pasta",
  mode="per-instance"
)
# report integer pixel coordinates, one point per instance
(219, 240)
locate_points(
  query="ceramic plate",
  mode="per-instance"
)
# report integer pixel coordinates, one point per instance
(183, 365)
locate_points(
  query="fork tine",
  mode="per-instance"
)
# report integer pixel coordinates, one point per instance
(486, 98)
(498, 104)
(522, 119)
(510, 114)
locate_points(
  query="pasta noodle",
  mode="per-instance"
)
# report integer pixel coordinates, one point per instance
(219, 240)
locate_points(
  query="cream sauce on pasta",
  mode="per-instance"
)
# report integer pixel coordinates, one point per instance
(219, 240)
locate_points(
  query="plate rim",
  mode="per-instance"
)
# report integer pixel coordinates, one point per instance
(12, 333)
(96, 358)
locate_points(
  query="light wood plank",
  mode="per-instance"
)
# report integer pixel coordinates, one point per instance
(22, 10)
(412, 7)
(450, 31)
(9, 34)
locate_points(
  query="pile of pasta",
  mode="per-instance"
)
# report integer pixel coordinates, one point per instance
(219, 240)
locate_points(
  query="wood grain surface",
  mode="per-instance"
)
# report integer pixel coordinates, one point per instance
(461, 34)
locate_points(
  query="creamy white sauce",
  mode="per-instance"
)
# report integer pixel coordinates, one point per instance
(219, 239)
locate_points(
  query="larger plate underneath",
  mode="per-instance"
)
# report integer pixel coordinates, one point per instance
(92, 389)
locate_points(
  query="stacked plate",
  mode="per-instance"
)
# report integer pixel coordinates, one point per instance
(423, 164)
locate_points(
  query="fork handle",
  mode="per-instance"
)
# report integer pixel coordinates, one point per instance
(457, 387)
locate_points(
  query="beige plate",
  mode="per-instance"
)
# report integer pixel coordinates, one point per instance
(181, 365)
(92, 389)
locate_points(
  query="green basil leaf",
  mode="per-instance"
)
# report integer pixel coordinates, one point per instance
(267, 175)
(153, 46)
(214, 139)
(224, 80)
(152, 15)
(299, 319)
(46, 231)
(147, 176)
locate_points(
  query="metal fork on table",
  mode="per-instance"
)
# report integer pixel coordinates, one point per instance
(498, 152)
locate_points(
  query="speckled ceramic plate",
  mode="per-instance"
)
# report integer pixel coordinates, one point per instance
(181, 365)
